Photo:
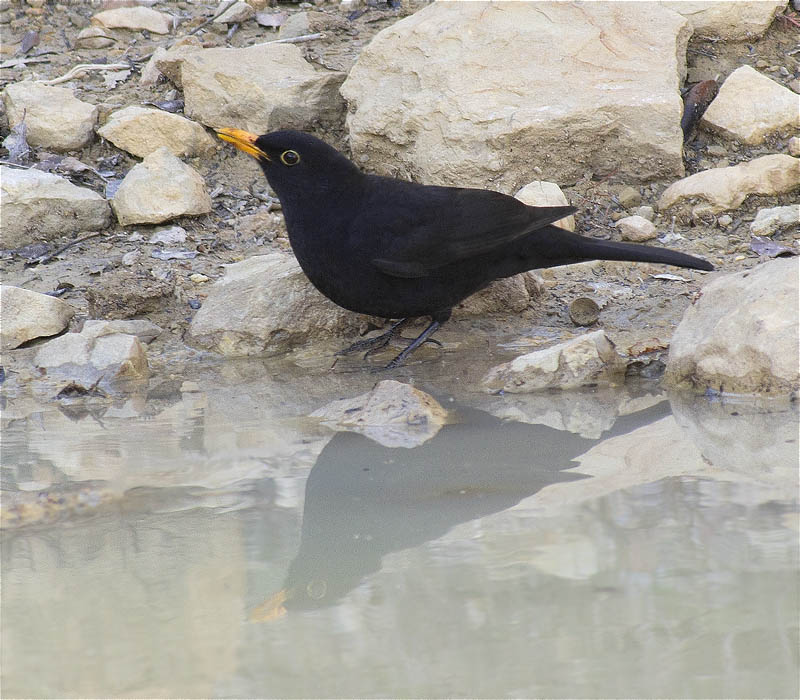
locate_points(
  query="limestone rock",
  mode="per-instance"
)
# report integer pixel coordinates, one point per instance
(266, 305)
(136, 18)
(141, 130)
(160, 188)
(259, 88)
(587, 359)
(311, 22)
(727, 188)
(741, 335)
(750, 106)
(122, 294)
(170, 63)
(546, 194)
(93, 357)
(25, 315)
(477, 93)
(42, 206)
(393, 414)
(727, 20)
(94, 38)
(151, 73)
(636, 228)
(794, 146)
(768, 221)
(54, 117)
(510, 295)
(143, 329)
(238, 12)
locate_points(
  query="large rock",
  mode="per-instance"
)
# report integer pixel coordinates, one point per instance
(97, 356)
(141, 130)
(768, 221)
(727, 188)
(25, 315)
(160, 188)
(393, 414)
(722, 19)
(477, 93)
(41, 206)
(587, 359)
(259, 88)
(171, 61)
(266, 305)
(741, 335)
(750, 107)
(508, 295)
(54, 117)
(540, 193)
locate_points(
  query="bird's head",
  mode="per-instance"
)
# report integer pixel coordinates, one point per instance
(294, 161)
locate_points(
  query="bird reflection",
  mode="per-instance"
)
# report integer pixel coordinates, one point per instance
(364, 500)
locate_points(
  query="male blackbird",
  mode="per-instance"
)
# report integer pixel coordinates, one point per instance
(397, 249)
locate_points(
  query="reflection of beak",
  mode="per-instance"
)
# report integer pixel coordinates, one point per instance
(271, 609)
(243, 140)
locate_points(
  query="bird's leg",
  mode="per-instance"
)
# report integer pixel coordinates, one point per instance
(419, 340)
(378, 342)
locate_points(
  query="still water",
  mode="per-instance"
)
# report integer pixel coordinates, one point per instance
(202, 541)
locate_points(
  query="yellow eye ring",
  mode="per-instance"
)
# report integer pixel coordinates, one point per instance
(290, 158)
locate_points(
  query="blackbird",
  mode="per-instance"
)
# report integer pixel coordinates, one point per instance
(400, 250)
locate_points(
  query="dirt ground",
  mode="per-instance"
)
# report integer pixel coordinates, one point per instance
(639, 311)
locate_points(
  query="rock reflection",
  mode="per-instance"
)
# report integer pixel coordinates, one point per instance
(364, 500)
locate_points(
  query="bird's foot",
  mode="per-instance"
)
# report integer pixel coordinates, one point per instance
(419, 340)
(376, 344)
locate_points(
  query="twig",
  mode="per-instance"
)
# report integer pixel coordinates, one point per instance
(22, 61)
(16, 165)
(47, 258)
(219, 13)
(293, 39)
(83, 67)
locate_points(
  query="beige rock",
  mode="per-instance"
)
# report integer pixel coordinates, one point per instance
(171, 62)
(94, 38)
(141, 130)
(136, 18)
(25, 315)
(750, 106)
(143, 329)
(393, 414)
(546, 194)
(266, 305)
(727, 20)
(509, 295)
(636, 228)
(151, 73)
(41, 206)
(794, 146)
(741, 335)
(482, 93)
(54, 117)
(587, 359)
(87, 359)
(311, 22)
(727, 188)
(768, 221)
(259, 88)
(160, 188)
(238, 12)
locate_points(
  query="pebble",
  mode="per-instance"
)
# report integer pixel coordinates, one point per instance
(794, 146)
(724, 221)
(646, 212)
(584, 311)
(636, 228)
(198, 278)
(629, 197)
(131, 257)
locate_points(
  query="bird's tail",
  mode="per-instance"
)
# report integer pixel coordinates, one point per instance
(567, 247)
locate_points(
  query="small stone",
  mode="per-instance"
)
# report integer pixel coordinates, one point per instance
(235, 14)
(131, 257)
(144, 330)
(724, 221)
(588, 359)
(629, 197)
(54, 118)
(794, 146)
(160, 188)
(646, 212)
(636, 228)
(540, 193)
(169, 236)
(750, 106)
(142, 130)
(716, 150)
(769, 221)
(198, 278)
(794, 85)
(393, 414)
(42, 206)
(584, 311)
(94, 38)
(25, 315)
(136, 18)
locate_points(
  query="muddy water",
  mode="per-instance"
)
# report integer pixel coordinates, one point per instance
(206, 540)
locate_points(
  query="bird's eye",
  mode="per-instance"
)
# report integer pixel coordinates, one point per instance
(290, 157)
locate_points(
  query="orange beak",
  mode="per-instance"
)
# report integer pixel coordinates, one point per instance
(243, 140)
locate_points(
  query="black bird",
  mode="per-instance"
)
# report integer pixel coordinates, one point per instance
(399, 250)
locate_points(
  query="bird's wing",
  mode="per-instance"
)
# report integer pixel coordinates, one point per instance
(429, 227)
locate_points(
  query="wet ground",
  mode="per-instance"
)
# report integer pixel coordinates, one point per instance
(208, 540)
